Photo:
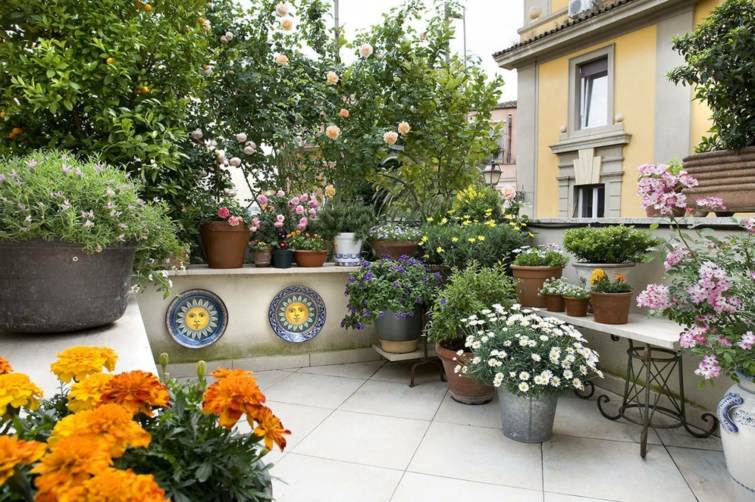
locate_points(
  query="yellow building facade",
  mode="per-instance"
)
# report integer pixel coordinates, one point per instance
(594, 102)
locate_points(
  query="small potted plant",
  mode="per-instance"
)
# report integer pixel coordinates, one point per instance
(575, 299)
(225, 234)
(552, 292)
(347, 223)
(309, 249)
(610, 300)
(531, 267)
(467, 291)
(392, 294)
(531, 360)
(281, 215)
(72, 234)
(392, 240)
(262, 254)
(616, 249)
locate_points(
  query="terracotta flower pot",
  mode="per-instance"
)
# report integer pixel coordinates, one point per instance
(554, 303)
(224, 245)
(462, 388)
(310, 258)
(393, 249)
(529, 280)
(726, 174)
(610, 308)
(263, 258)
(575, 307)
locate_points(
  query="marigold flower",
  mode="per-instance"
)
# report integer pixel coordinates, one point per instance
(115, 485)
(344, 113)
(333, 132)
(269, 427)
(620, 278)
(390, 137)
(110, 424)
(5, 366)
(67, 465)
(137, 391)
(76, 363)
(14, 452)
(404, 127)
(597, 275)
(331, 78)
(86, 394)
(17, 391)
(230, 397)
(222, 373)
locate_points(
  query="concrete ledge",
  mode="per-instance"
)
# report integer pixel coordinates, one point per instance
(727, 223)
(204, 270)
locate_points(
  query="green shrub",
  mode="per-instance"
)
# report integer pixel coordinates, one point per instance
(306, 242)
(455, 246)
(345, 216)
(720, 63)
(614, 244)
(54, 196)
(467, 292)
(547, 256)
(477, 204)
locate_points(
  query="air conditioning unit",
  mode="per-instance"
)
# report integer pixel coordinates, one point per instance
(578, 6)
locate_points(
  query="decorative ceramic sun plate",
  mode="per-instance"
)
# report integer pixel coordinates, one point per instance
(297, 314)
(196, 318)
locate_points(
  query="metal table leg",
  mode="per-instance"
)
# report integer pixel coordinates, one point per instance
(426, 360)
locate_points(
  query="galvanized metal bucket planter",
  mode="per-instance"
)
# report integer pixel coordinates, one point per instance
(55, 287)
(399, 334)
(527, 419)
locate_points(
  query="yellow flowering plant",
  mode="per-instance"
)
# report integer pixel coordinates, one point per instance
(120, 436)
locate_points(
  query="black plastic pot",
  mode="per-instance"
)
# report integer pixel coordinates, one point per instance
(282, 258)
(48, 286)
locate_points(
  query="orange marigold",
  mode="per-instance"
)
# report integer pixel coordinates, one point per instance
(5, 366)
(114, 485)
(111, 424)
(138, 391)
(85, 395)
(269, 427)
(16, 391)
(14, 452)
(222, 373)
(68, 465)
(229, 397)
(76, 363)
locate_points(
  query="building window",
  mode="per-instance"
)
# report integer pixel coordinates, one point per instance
(591, 201)
(593, 93)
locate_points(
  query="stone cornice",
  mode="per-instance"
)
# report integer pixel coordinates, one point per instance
(609, 137)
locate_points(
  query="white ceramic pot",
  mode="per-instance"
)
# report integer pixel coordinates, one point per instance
(584, 270)
(736, 412)
(348, 250)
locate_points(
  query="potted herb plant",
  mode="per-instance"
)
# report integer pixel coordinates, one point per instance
(530, 360)
(392, 240)
(718, 60)
(610, 299)
(262, 254)
(347, 223)
(225, 234)
(576, 299)
(552, 292)
(616, 249)
(69, 225)
(392, 294)
(531, 267)
(309, 249)
(467, 291)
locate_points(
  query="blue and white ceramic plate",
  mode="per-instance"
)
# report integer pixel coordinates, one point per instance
(297, 314)
(196, 318)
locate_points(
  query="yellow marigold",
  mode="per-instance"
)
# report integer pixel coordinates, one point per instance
(5, 366)
(16, 391)
(269, 427)
(15, 452)
(85, 395)
(229, 397)
(76, 363)
(597, 275)
(137, 391)
(68, 465)
(111, 424)
(114, 485)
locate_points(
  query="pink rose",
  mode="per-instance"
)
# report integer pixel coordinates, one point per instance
(303, 222)
(299, 209)
(313, 212)
(280, 193)
(234, 220)
(278, 224)
(223, 212)
(262, 200)
(294, 201)
(256, 221)
(280, 217)
(313, 203)
(304, 197)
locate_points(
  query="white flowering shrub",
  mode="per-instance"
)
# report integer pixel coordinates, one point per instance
(528, 354)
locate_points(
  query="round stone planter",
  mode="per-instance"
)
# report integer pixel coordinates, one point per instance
(726, 174)
(393, 249)
(584, 271)
(736, 413)
(48, 287)
(224, 245)
(399, 335)
(348, 250)
(527, 419)
(310, 258)
(610, 308)
(462, 388)
(529, 281)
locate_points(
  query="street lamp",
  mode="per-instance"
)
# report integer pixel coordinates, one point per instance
(492, 174)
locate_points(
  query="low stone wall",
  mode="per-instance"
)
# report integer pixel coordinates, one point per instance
(249, 340)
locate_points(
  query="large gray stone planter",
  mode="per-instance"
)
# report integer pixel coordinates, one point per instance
(399, 335)
(527, 419)
(48, 287)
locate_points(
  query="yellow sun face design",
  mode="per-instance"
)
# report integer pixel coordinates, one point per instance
(197, 318)
(297, 313)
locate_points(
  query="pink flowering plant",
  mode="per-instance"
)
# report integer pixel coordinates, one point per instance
(711, 292)
(227, 209)
(661, 188)
(282, 214)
